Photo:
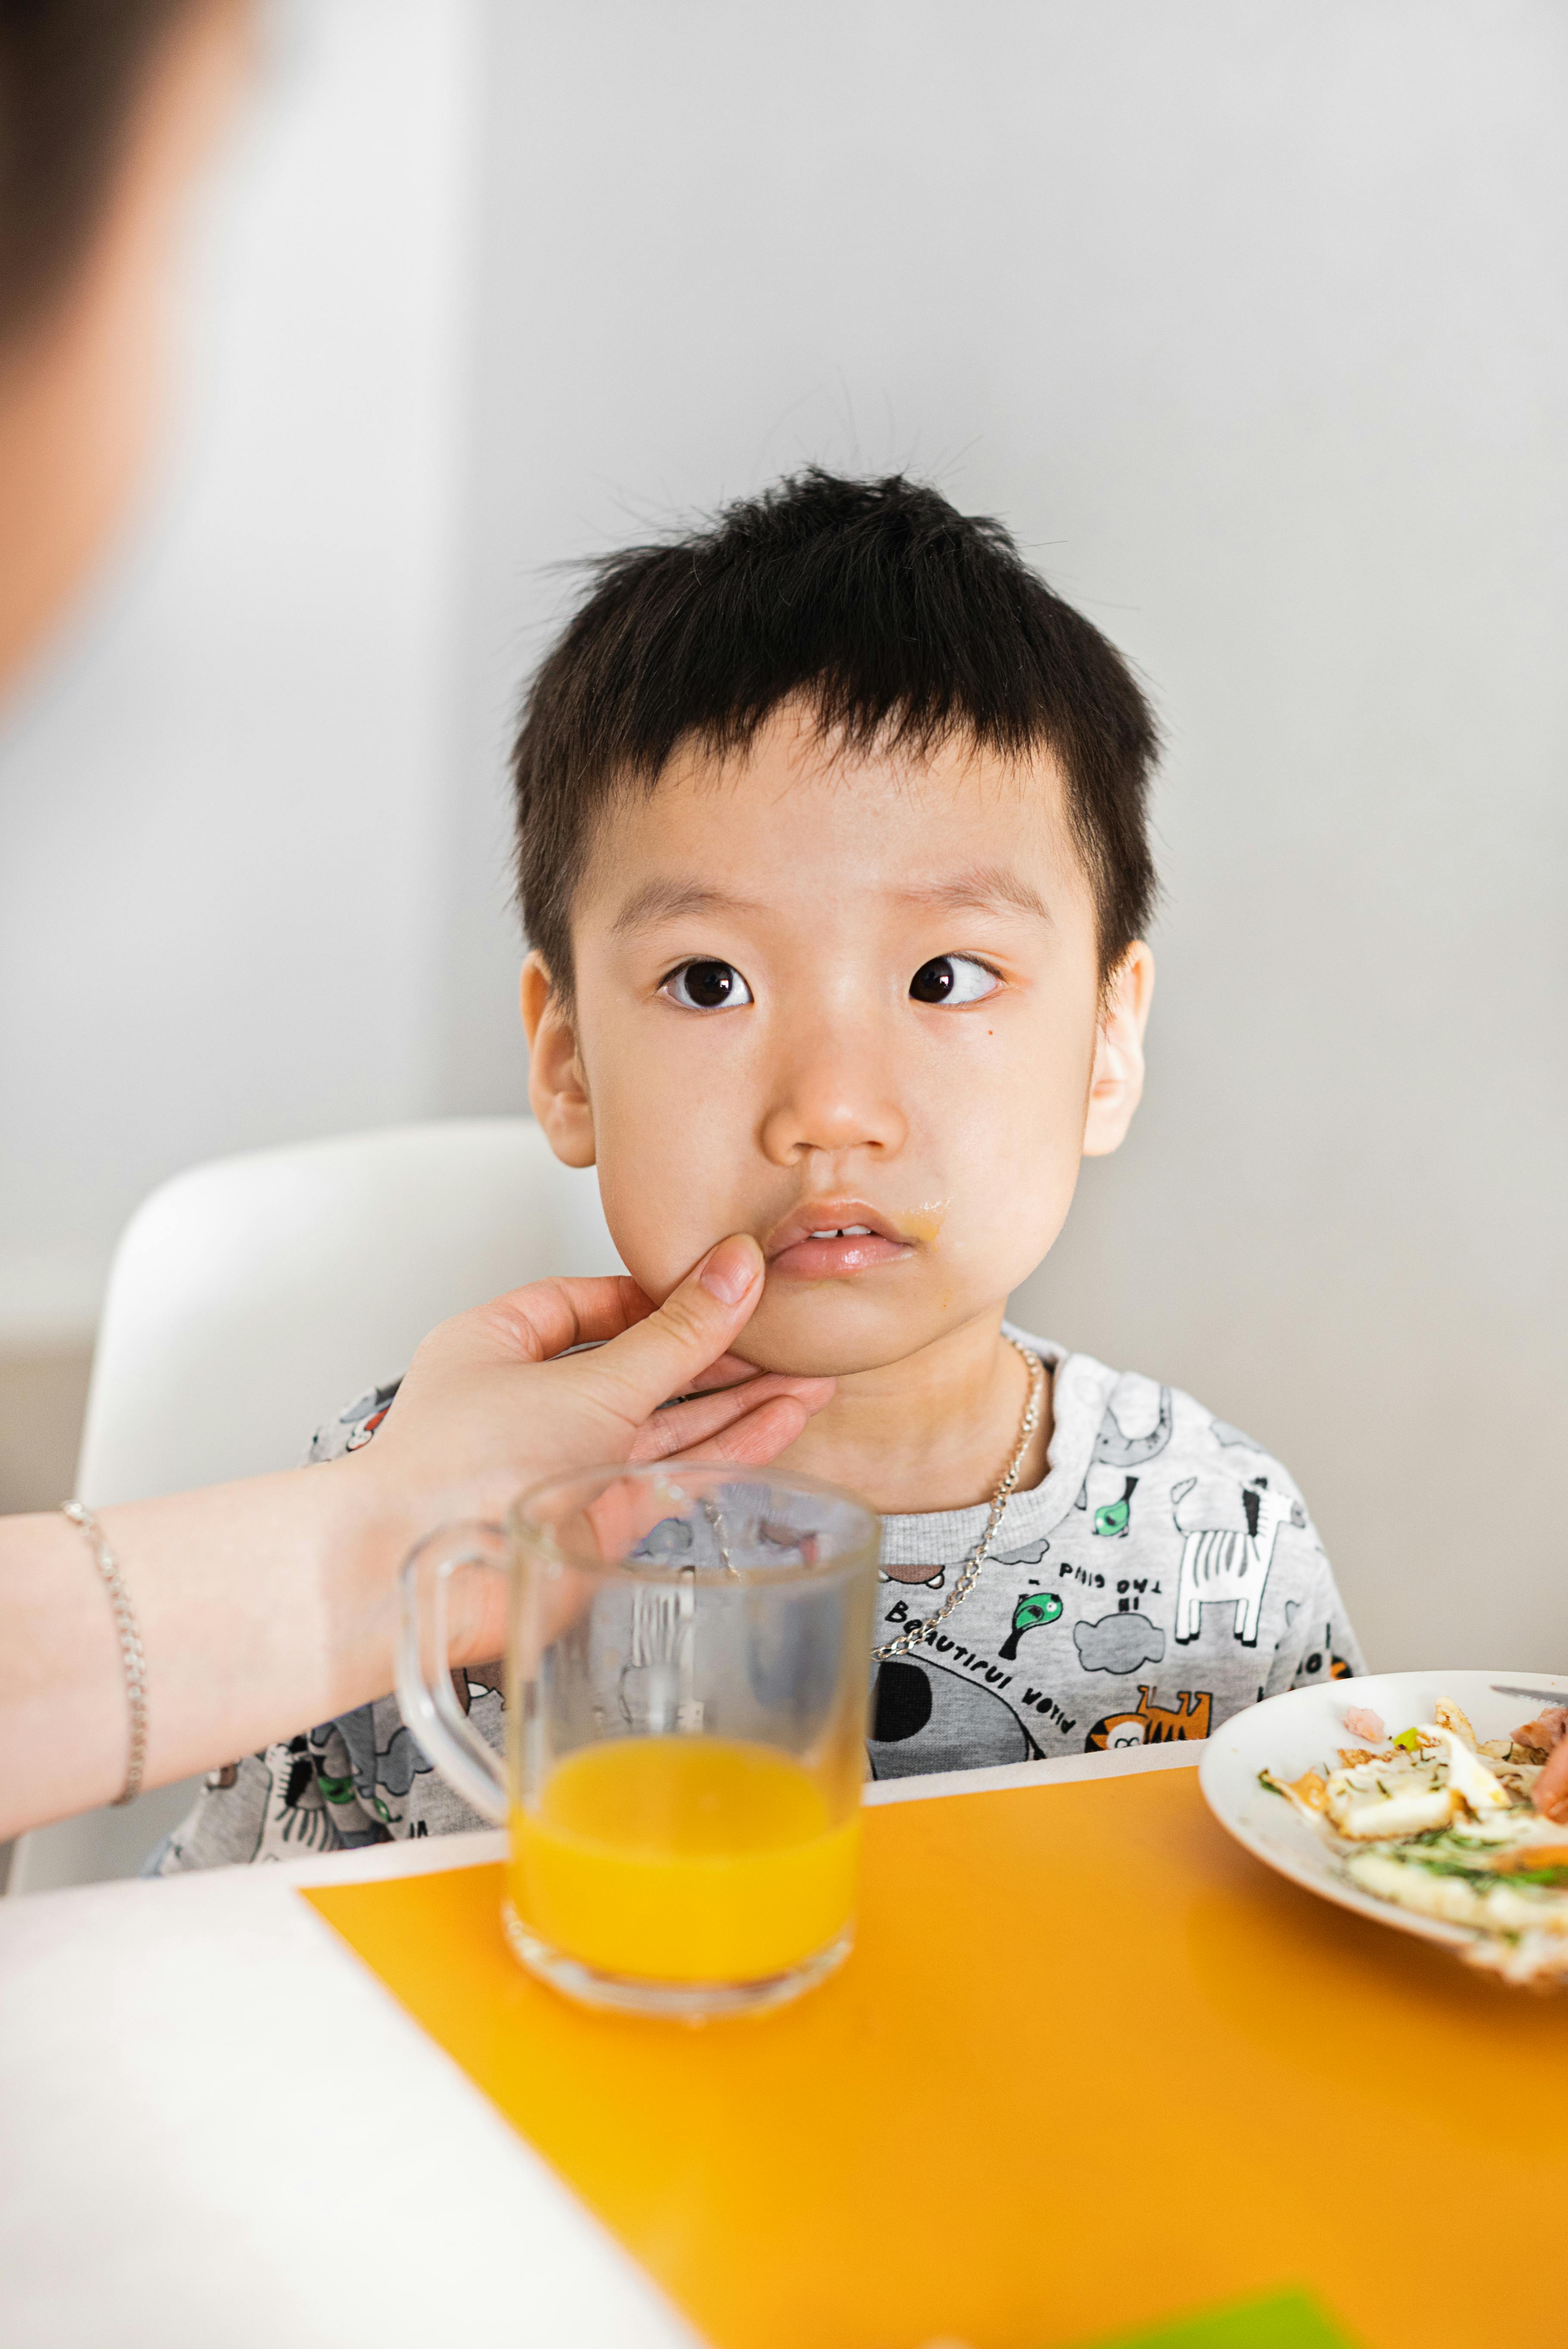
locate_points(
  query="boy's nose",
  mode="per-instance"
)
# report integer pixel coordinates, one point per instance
(834, 1102)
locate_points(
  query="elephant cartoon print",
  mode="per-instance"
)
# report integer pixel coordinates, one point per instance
(1124, 1455)
(1112, 1449)
(1230, 1531)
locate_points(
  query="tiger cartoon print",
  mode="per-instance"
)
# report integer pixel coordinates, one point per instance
(1151, 1723)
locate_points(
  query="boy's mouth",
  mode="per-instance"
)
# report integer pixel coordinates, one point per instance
(827, 1237)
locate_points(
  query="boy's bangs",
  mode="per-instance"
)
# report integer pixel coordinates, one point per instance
(897, 623)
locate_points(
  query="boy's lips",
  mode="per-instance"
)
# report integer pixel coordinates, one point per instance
(825, 1237)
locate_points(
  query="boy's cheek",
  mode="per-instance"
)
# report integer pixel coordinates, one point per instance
(676, 1176)
(660, 1224)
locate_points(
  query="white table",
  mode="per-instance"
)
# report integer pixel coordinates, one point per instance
(217, 2131)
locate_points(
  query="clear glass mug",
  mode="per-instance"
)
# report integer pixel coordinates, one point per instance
(687, 1675)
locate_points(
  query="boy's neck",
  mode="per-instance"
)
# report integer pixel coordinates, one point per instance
(933, 1432)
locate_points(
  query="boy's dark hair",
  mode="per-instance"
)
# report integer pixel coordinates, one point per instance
(901, 622)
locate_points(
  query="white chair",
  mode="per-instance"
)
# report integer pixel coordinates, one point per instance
(252, 1297)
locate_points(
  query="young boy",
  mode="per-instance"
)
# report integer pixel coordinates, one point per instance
(832, 856)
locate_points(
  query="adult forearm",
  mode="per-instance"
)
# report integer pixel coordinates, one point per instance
(263, 1607)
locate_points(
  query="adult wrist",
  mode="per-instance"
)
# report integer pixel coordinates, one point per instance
(387, 1514)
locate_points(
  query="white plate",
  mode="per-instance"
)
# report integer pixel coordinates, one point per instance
(1304, 1730)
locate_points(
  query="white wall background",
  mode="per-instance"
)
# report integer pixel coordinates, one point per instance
(1247, 315)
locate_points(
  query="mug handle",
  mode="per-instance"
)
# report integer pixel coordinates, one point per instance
(426, 1697)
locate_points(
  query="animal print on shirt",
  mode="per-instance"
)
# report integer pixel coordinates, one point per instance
(1163, 1575)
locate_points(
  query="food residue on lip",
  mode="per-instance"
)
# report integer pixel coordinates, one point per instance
(921, 1223)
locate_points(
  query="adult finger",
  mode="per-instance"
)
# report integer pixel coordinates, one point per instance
(664, 1354)
(548, 1317)
(757, 1439)
(681, 1426)
(729, 1370)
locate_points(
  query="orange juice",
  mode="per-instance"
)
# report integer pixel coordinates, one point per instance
(687, 1859)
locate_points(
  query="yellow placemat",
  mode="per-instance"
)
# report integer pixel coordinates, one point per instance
(1091, 2068)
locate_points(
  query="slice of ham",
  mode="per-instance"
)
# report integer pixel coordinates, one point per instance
(1364, 1723)
(1548, 1735)
(1546, 1732)
(1549, 1792)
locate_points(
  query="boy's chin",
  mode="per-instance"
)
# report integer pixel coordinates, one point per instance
(815, 1331)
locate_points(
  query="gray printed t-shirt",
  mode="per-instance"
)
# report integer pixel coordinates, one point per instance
(1161, 1576)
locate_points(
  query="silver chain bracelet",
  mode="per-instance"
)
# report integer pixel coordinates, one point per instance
(131, 1657)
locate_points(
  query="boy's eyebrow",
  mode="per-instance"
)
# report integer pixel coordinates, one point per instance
(673, 901)
(983, 888)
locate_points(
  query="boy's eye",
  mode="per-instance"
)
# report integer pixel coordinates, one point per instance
(953, 979)
(706, 986)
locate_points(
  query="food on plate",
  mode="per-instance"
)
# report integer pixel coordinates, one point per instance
(1547, 1737)
(1545, 1732)
(1434, 1822)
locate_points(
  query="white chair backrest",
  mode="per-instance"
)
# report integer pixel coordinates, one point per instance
(253, 1297)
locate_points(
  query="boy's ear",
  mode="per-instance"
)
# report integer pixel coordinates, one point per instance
(1116, 1087)
(557, 1090)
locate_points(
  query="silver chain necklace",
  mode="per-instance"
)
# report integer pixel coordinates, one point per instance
(969, 1573)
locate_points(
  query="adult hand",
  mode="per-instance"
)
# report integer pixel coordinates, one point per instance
(267, 1605)
(494, 1400)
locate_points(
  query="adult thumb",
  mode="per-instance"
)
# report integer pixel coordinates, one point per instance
(668, 1353)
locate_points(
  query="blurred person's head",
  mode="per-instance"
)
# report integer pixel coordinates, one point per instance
(832, 855)
(105, 109)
